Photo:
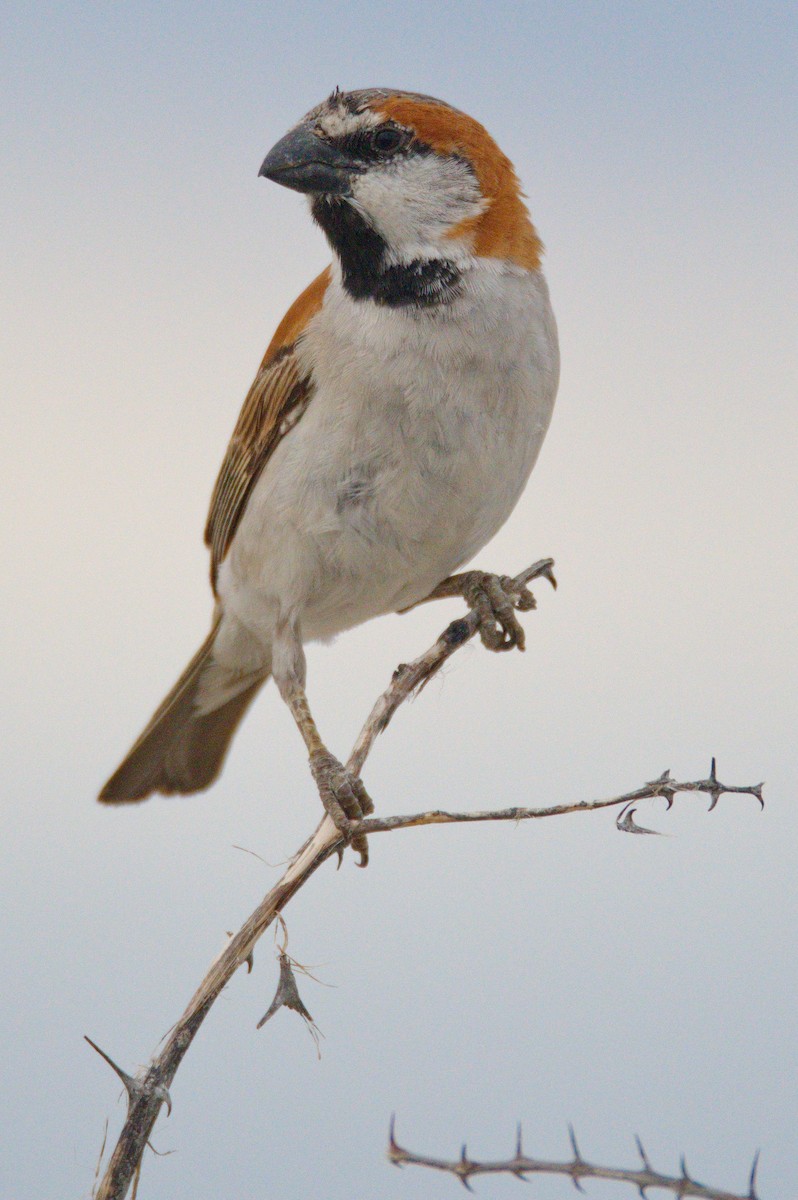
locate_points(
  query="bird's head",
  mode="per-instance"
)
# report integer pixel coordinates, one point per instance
(408, 190)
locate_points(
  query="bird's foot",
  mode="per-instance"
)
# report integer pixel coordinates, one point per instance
(344, 797)
(495, 599)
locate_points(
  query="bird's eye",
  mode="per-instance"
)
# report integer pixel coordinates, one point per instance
(387, 139)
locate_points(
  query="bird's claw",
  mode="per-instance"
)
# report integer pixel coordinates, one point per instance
(345, 799)
(495, 599)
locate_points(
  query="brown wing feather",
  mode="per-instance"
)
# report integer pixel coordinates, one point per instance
(277, 399)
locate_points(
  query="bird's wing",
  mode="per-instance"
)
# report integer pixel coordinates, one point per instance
(277, 399)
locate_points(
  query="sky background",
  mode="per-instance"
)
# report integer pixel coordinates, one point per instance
(558, 971)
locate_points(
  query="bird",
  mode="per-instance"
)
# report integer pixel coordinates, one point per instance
(388, 434)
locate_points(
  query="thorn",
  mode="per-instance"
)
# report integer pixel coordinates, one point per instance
(132, 1086)
(664, 786)
(667, 792)
(752, 1182)
(757, 791)
(627, 824)
(395, 1151)
(518, 1170)
(162, 1094)
(287, 996)
(715, 790)
(578, 1160)
(249, 960)
(643, 1155)
(685, 1172)
(577, 1156)
(464, 1168)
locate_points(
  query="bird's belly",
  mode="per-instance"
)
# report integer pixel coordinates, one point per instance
(364, 508)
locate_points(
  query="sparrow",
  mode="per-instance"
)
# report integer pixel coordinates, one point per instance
(388, 434)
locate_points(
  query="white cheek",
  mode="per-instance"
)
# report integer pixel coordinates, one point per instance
(413, 202)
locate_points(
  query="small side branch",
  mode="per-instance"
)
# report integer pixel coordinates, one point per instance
(666, 786)
(575, 1168)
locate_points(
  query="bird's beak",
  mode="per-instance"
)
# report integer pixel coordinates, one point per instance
(303, 161)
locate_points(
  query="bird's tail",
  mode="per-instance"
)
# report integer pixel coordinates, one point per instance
(183, 747)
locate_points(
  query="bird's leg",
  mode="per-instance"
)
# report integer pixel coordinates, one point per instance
(495, 599)
(342, 793)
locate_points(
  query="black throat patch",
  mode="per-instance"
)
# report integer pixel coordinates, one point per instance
(367, 275)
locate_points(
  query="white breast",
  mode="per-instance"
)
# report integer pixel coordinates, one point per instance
(417, 443)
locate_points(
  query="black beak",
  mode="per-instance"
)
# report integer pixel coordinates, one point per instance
(306, 163)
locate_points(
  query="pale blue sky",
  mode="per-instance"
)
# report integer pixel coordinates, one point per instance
(483, 976)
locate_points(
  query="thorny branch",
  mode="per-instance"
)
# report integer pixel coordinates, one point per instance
(576, 1169)
(666, 786)
(148, 1089)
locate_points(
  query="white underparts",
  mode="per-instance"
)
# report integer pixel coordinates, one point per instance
(417, 442)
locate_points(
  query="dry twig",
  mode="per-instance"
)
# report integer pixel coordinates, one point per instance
(148, 1090)
(666, 786)
(576, 1169)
